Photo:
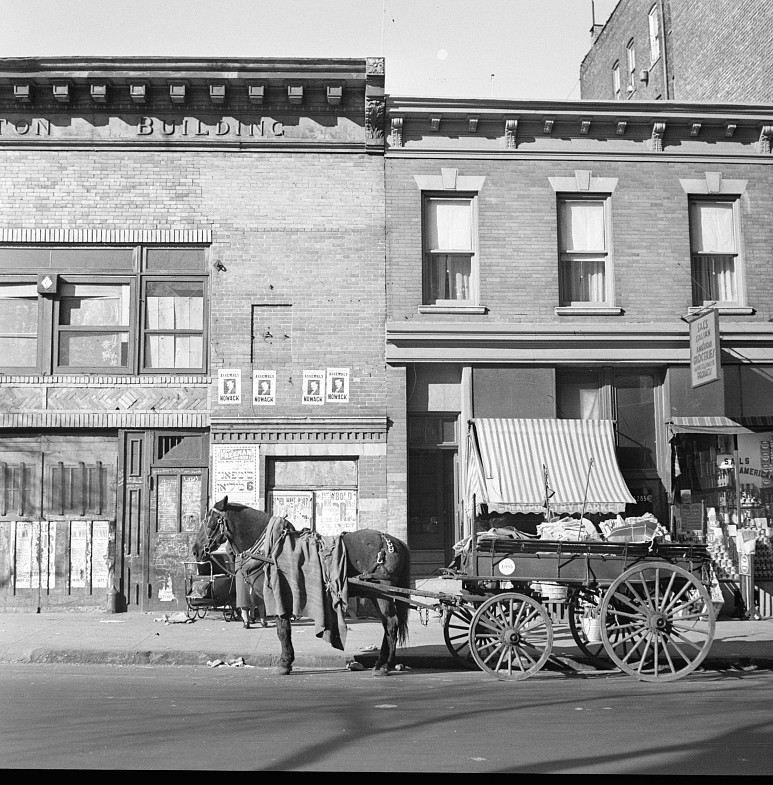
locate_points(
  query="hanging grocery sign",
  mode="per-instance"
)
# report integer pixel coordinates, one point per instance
(704, 348)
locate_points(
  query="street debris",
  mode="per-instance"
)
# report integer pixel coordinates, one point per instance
(355, 666)
(174, 618)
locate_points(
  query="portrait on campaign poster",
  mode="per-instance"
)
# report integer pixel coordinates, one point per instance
(264, 388)
(229, 385)
(337, 385)
(313, 387)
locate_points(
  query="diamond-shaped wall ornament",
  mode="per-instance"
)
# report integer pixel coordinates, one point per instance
(47, 283)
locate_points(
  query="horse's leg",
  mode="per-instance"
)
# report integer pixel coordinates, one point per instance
(284, 633)
(386, 657)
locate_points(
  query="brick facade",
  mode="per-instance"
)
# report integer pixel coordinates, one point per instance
(709, 52)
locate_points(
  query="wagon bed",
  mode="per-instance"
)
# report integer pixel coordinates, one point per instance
(643, 607)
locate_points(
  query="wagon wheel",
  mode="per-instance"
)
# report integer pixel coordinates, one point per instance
(510, 636)
(456, 632)
(658, 622)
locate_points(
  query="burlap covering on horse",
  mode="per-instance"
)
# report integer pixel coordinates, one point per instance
(308, 579)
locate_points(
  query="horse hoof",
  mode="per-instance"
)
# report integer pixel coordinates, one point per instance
(381, 671)
(282, 670)
(246, 625)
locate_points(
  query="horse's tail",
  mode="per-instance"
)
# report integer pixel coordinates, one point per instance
(402, 609)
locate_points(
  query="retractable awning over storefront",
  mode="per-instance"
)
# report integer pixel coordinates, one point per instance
(720, 425)
(509, 459)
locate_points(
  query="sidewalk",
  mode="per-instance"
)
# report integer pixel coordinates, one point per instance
(137, 638)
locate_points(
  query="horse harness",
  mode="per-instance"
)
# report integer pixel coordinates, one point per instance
(387, 547)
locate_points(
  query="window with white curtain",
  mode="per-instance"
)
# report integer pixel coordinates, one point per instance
(450, 269)
(583, 242)
(654, 23)
(714, 246)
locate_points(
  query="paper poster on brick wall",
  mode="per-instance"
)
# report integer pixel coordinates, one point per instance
(235, 473)
(313, 387)
(336, 512)
(99, 552)
(229, 385)
(264, 388)
(296, 506)
(337, 390)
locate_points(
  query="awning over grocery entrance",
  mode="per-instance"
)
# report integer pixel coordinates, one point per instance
(720, 425)
(509, 461)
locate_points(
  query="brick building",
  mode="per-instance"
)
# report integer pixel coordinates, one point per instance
(545, 261)
(682, 50)
(191, 305)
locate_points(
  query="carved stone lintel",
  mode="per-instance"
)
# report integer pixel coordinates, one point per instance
(511, 129)
(766, 137)
(658, 130)
(375, 111)
(397, 132)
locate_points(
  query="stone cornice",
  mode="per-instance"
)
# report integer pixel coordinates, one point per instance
(299, 429)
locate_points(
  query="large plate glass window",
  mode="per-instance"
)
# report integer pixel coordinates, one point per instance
(714, 245)
(174, 324)
(584, 256)
(92, 326)
(450, 265)
(18, 325)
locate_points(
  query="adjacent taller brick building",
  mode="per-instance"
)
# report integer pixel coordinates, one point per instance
(682, 50)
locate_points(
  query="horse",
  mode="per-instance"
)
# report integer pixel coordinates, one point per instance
(380, 557)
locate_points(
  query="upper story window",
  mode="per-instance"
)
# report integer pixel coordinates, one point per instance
(616, 80)
(109, 310)
(654, 24)
(585, 277)
(450, 258)
(716, 271)
(631, 55)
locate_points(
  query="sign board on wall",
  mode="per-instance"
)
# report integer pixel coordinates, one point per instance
(235, 473)
(705, 362)
(229, 385)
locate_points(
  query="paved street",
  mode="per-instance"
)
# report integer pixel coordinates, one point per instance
(188, 718)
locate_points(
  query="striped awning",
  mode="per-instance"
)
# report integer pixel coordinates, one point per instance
(718, 424)
(510, 463)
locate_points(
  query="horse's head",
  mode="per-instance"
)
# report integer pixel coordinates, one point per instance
(213, 531)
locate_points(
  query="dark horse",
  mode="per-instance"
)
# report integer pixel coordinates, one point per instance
(381, 557)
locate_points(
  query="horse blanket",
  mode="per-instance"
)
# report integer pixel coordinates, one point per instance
(307, 578)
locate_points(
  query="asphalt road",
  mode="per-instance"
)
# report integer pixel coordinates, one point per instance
(219, 719)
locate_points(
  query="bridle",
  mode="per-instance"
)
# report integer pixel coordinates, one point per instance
(216, 535)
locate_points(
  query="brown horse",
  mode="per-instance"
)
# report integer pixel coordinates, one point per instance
(381, 557)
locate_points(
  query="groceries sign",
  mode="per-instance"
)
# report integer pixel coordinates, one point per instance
(704, 348)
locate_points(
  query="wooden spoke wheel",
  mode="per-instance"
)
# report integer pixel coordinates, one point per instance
(658, 621)
(511, 636)
(456, 632)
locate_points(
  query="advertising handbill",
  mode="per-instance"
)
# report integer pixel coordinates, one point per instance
(264, 388)
(296, 506)
(235, 473)
(337, 390)
(336, 512)
(313, 387)
(229, 385)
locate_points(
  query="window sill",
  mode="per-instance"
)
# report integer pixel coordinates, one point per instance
(458, 309)
(724, 310)
(585, 310)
